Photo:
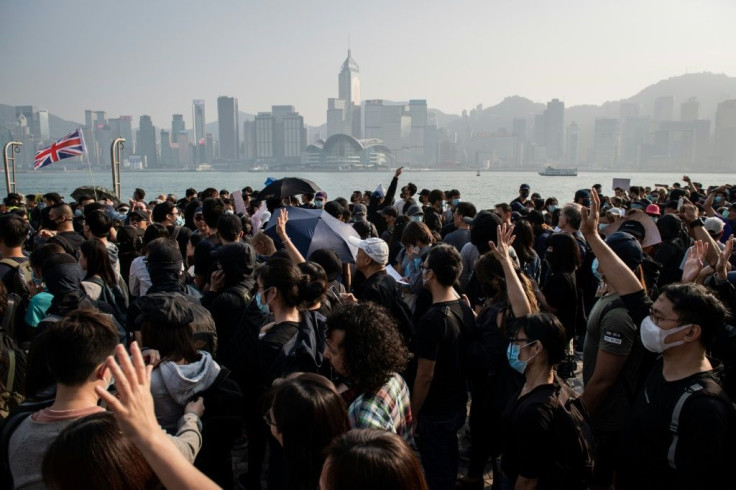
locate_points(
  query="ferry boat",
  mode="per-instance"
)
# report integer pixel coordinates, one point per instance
(559, 172)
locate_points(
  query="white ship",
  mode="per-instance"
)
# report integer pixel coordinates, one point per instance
(559, 172)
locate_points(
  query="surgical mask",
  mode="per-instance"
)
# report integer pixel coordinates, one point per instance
(109, 383)
(552, 208)
(512, 354)
(718, 199)
(229, 211)
(725, 214)
(652, 337)
(455, 201)
(596, 272)
(260, 304)
(38, 282)
(417, 218)
(319, 203)
(179, 220)
(78, 213)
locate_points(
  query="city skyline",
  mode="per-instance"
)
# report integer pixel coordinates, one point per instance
(155, 60)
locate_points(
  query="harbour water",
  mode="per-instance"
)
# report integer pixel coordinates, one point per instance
(484, 190)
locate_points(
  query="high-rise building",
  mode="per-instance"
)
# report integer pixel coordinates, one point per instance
(227, 120)
(628, 109)
(167, 153)
(43, 125)
(177, 126)
(689, 110)
(280, 136)
(200, 124)
(418, 117)
(122, 127)
(573, 144)
(605, 143)
(146, 144)
(554, 124)
(725, 141)
(634, 131)
(345, 116)
(664, 108)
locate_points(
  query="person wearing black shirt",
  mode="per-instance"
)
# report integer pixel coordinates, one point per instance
(439, 395)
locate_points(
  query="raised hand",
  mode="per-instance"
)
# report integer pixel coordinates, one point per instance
(504, 239)
(281, 224)
(723, 258)
(589, 225)
(694, 262)
(134, 408)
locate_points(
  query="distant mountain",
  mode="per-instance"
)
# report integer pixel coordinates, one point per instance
(58, 127)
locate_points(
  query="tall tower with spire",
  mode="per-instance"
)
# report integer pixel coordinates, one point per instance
(349, 91)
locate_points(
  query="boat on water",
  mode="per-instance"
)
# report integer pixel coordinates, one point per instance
(477, 174)
(559, 172)
(203, 167)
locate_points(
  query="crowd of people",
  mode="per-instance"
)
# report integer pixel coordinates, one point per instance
(143, 342)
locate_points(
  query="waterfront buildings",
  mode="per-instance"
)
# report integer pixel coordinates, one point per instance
(229, 128)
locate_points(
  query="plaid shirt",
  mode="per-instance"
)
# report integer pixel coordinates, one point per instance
(389, 408)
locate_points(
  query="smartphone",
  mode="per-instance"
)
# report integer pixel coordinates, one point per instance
(680, 202)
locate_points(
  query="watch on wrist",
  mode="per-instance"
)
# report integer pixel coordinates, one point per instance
(697, 222)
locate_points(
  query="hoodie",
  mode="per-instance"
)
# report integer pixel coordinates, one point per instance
(174, 385)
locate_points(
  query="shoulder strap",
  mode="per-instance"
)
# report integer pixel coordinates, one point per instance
(11, 370)
(10, 263)
(9, 314)
(175, 232)
(675, 422)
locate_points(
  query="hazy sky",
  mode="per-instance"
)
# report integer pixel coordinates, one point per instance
(153, 57)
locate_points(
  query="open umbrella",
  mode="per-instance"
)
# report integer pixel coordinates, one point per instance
(97, 192)
(651, 232)
(287, 187)
(314, 229)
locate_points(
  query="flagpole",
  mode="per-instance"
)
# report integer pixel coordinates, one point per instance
(89, 164)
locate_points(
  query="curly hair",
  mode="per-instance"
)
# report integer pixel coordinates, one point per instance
(373, 346)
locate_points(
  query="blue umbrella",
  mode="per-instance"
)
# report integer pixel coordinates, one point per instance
(315, 229)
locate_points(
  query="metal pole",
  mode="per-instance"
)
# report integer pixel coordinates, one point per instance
(14, 147)
(115, 148)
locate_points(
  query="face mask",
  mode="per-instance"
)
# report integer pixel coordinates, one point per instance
(552, 208)
(179, 220)
(229, 211)
(718, 199)
(652, 198)
(418, 218)
(38, 282)
(52, 225)
(512, 354)
(725, 214)
(594, 268)
(78, 213)
(455, 201)
(261, 305)
(319, 203)
(653, 337)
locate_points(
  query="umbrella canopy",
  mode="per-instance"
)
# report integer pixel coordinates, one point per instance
(97, 192)
(287, 187)
(314, 229)
(652, 235)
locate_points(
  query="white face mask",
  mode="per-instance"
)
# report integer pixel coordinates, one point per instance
(653, 337)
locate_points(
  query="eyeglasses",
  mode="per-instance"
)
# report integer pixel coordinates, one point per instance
(657, 319)
(516, 340)
(268, 418)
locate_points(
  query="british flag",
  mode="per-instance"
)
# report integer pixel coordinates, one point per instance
(71, 145)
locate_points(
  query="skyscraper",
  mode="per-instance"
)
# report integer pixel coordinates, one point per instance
(605, 143)
(147, 141)
(725, 148)
(554, 122)
(418, 117)
(689, 110)
(349, 94)
(227, 120)
(200, 141)
(177, 125)
(664, 108)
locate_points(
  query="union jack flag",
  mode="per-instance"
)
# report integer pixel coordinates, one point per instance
(71, 145)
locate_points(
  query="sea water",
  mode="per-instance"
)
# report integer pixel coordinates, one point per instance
(484, 190)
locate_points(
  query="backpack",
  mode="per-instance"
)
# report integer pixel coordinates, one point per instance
(19, 294)
(113, 297)
(12, 374)
(706, 386)
(575, 443)
(304, 351)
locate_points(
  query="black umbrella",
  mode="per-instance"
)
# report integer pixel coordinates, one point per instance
(97, 192)
(314, 229)
(287, 187)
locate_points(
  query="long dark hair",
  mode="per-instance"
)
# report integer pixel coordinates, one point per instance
(91, 453)
(286, 278)
(489, 272)
(98, 261)
(565, 255)
(524, 242)
(309, 413)
(368, 459)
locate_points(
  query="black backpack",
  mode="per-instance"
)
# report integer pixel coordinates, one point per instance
(113, 297)
(573, 435)
(19, 295)
(304, 351)
(12, 374)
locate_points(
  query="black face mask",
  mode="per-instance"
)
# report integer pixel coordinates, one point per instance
(52, 225)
